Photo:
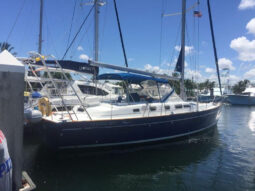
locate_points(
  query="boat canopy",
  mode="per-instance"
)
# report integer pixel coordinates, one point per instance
(130, 78)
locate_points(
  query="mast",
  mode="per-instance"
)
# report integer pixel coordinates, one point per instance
(121, 37)
(214, 44)
(40, 28)
(96, 30)
(182, 90)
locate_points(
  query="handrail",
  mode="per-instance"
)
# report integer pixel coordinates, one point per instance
(50, 76)
(68, 81)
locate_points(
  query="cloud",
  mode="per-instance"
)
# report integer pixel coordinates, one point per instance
(188, 49)
(131, 59)
(233, 79)
(190, 74)
(84, 57)
(244, 47)
(155, 69)
(251, 26)
(246, 4)
(250, 74)
(226, 63)
(209, 70)
(204, 43)
(196, 75)
(213, 77)
(80, 48)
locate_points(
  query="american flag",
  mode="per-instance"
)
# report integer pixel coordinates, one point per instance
(197, 14)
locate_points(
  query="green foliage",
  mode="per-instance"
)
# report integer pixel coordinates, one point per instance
(7, 46)
(206, 85)
(240, 86)
(190, 86)
(175, 85)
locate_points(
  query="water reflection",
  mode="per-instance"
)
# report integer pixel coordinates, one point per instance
(160, 168)
(251, 123)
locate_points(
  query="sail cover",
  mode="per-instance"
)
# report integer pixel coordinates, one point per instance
(178, 67)
(72, 65)
(130, 78)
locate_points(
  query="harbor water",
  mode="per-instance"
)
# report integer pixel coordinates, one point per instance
(221, 159)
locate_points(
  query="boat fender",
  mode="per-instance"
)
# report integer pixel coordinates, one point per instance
(44, 106)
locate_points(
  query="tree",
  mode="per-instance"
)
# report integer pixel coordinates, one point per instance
(7, 46)
(240, 86)
(190, 86)
(175, 85)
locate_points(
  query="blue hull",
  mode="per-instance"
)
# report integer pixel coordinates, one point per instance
(129, 131)
(240, 100)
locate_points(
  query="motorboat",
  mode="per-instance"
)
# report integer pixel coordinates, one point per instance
(247, 97)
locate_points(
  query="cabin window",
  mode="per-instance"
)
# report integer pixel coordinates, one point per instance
(153, 108)
(92, 90)
(186, 106)
(136, 110)
(167, 107)
(80, 109)
(62, 108)
(179, 106)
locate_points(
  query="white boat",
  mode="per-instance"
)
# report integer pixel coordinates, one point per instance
(90, 93)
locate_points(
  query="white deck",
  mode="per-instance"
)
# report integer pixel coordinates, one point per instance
(107, 111)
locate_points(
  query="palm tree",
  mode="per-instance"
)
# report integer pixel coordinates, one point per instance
(7, 46)
(240, 86)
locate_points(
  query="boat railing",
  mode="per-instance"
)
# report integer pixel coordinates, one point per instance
(38, 80)
(35, 54)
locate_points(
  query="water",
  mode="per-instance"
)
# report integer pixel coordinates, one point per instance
(222, 159)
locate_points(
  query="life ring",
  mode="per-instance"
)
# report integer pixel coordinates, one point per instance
(44, 106)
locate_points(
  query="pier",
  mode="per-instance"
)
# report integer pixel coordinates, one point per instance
(12, 112)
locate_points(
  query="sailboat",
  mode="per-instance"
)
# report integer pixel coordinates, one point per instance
(150, 113)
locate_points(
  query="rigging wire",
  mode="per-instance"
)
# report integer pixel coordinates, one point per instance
(161, 31)
(104, 26)
(198, 39)
(16, 20)
(27, 27)
(171, 56)
(191, 59)
(84, 21)
(73, 50)
(71, 26)
(49, 36)
(121, 37)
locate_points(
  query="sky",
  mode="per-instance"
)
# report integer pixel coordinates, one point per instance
(152, 42)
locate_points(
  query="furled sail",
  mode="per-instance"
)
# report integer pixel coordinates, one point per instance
(178, 67)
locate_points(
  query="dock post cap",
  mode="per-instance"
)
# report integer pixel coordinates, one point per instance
(8, 63)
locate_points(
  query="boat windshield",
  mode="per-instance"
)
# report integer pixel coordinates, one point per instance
(148, 90)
